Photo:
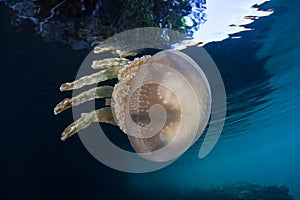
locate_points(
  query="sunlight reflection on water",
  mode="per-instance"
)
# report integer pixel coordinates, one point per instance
(228, 17)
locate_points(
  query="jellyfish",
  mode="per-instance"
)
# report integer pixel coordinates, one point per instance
(162, 102)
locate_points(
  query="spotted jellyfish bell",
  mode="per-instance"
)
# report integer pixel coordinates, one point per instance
(163, 105)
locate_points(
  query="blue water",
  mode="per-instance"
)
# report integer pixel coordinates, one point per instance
(260, 141)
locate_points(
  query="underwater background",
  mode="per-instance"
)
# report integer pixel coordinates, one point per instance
(258, 151)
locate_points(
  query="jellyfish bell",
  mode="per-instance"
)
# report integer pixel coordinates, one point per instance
(163, 104)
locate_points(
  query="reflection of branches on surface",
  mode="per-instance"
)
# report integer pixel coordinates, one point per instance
(139, 13)
(81, 23)
(52, 13)
(152, 13)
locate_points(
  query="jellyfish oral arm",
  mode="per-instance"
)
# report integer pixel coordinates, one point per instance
(109, 70)
(97, 77)
(94, 93)
(103, 115)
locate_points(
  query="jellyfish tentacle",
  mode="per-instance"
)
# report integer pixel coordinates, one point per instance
(103, 115)
(113, 49)
(110, 62)
(94, 93)
(102, 48)
(106, 74)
